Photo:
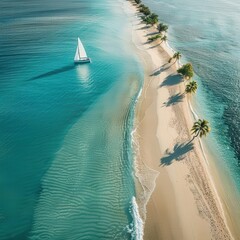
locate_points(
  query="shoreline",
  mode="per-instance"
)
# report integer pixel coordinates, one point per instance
(204, 207)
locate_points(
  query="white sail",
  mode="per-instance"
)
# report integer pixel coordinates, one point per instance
(76, 58)
(81, 49)
(81, 55)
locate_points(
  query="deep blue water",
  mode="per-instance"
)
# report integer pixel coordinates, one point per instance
(207, 34)
(65, 147)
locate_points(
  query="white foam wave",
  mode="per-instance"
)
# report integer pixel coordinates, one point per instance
(137, 226)
(167, 44)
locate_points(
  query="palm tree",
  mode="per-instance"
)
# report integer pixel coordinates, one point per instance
(162, 27)
(150, 19)
(191, 87)
(176, 55)
(201, 128)
(164, 38)
(151, 39)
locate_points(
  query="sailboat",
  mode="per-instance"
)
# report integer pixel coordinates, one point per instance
(81, 55)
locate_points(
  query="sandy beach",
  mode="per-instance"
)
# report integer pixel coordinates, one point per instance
(172, 171)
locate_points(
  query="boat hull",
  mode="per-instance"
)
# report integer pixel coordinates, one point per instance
(80, 61)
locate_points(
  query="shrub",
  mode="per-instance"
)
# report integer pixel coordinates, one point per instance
(186, 70)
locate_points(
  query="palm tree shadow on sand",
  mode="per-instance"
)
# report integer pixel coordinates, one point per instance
(178, 153)
(172, 80)
(174, 99)
(154, 46)
(161, 69)
(53, 72)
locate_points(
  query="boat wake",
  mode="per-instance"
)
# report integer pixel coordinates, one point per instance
(53, 72)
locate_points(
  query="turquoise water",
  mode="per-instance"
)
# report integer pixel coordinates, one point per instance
(65, 146)
(207, 33)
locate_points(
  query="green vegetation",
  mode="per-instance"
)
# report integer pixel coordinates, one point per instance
(151, 19)
(144, 9)
(191, 87)
(175, 56)
(186, 70)
(201, 128)
(151, 39)
(148, 18)
(164, 38)
(162, 27)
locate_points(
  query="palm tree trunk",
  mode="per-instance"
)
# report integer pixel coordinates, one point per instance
(195, 136)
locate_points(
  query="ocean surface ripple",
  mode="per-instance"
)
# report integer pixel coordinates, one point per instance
(66, 164)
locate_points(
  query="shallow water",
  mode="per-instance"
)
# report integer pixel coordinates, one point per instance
(65, 147)
(207, 34)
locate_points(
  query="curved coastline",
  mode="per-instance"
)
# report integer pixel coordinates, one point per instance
(145, 168)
